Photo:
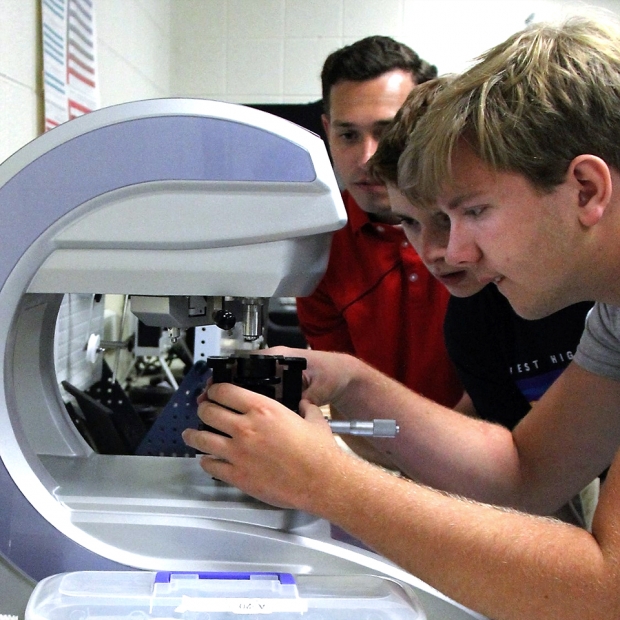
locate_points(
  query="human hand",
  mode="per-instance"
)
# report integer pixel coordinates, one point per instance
(325, 379)
(327, 375)
(271, 452)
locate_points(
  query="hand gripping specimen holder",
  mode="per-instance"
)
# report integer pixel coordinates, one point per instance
(275, 376)
(262, 374)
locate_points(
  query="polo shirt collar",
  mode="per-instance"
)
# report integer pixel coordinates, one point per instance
(357, 217)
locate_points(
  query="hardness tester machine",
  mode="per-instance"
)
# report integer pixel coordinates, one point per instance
(181, 204)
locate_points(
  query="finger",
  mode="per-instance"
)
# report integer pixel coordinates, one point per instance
(206, 441)
(216, 416)
(279, 350)
(312, 414)
(217, 468)
(204, 396)
(304, 406)
(240, 400)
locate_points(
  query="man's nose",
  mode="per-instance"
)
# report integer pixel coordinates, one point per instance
(461, 247)
(368, 149)
(432, 246)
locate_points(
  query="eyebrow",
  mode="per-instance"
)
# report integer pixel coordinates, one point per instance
(457, 201)
(348, 124)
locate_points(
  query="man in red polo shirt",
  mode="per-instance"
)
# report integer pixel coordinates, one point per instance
(377, 300)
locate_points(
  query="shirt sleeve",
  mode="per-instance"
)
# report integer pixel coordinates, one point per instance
(599, 348)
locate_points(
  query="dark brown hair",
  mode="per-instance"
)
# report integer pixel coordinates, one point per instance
(369, 58)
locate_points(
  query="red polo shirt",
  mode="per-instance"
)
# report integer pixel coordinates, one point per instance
(378, 302)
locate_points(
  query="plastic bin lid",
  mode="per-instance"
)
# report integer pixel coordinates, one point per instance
(137, 595)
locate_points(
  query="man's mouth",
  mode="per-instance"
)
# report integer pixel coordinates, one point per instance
(370, 185)
(490, 280)
(451, 278)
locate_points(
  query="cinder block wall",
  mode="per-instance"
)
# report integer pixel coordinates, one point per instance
(271, 51)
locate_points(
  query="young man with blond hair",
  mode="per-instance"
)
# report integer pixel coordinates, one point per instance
(522, 154)
(506, 363)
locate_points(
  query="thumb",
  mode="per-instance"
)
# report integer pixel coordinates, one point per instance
(311, 413)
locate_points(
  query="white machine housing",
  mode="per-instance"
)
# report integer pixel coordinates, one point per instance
(163, 197)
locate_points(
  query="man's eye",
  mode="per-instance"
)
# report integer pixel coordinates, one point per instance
(410, 223)
(474, 211)
(348, 136)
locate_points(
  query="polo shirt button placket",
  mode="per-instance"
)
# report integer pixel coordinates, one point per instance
(413, 277)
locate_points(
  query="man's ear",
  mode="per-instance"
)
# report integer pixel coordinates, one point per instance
(325, 121)
(594, 187)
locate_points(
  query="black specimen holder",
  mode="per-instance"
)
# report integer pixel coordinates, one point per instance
(275, 376)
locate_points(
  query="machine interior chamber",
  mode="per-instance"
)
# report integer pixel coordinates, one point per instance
(164, 504)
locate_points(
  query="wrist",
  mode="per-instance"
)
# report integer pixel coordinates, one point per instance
(358, 386)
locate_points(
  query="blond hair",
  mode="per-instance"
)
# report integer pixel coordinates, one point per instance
(530, 105)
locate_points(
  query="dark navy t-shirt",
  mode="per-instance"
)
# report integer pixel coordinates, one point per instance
(505, 362)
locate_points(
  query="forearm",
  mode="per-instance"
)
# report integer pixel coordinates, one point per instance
(466, 406)
(431, 440)
(453, 452)
(506, 565)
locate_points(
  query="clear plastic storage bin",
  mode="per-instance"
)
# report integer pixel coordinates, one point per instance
(137, 595)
